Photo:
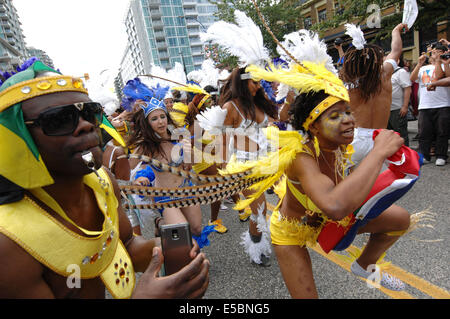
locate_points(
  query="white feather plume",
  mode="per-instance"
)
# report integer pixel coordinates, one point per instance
(223, 75)
(212, 118)
(195, 76)
(282, 91)
(175, 74)
(243, 39)
(356, 34)
(100, 92)
(207, 75)
(305, 45)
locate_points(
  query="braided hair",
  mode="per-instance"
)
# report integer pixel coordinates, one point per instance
(303, 106)
(362, 68)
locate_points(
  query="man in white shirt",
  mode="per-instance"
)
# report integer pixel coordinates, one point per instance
(434, 106)
(401, 93)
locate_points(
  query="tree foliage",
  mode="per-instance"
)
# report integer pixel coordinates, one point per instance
(284, 16)
(281, 17)
(355, 11)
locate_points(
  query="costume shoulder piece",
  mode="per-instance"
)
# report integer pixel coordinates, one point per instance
(60, 249)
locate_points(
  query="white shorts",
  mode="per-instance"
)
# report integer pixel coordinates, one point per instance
(363, 144)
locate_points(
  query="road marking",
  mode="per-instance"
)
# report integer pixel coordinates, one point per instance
(411, 279)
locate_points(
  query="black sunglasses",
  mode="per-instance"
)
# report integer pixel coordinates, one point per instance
(63, 120)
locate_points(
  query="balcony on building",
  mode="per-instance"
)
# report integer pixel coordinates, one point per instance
(157, 24)
(190, 12)
(161, 45)
(160, 35)
(189, 3)
(154, 3)
(155, 13)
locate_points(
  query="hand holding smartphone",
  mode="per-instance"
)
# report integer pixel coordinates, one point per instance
(176, 244)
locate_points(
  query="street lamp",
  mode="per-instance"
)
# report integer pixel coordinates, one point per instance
(182, 61)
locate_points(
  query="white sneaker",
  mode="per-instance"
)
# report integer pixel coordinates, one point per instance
(387, 280)
(229, 200)
(440, 162)
(223, 207)
(425, 161)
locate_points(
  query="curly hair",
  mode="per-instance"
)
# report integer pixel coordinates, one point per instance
(362, 68)
(303, 106)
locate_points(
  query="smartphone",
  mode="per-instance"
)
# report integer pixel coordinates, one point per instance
(176, 244)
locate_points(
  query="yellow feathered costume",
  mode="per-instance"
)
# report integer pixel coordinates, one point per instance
(305, 78)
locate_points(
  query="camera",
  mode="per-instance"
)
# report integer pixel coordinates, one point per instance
(338, 41)
(445, 56)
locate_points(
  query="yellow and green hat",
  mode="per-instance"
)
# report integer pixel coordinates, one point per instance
(21, 165)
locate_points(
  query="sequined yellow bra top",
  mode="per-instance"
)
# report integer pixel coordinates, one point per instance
(59, 249)
(303, 199)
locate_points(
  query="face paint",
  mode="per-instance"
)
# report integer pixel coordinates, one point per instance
(337, 123)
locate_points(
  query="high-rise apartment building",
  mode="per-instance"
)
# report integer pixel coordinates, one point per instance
(41, 55)
(12, 46)
(163, 32)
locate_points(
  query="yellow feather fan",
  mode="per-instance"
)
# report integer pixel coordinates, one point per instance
(191, 88)
(272, 166)
(315, 77)
(178, 113)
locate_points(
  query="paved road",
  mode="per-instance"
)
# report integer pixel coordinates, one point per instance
(421, 258)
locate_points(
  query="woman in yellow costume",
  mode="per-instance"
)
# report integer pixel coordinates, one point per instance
(247, 111)
(315, 189)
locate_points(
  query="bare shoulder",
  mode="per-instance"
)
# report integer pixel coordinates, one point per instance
(231, 113)
(21, 275)
(303, 163)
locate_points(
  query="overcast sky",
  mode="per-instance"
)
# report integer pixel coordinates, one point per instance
(82, 36)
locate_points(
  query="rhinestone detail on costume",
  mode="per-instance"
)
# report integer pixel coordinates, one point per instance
(44, 85)
(92, 259)
(122, 274)
(26, 90)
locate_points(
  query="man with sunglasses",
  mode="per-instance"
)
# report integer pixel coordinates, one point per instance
(63, 233)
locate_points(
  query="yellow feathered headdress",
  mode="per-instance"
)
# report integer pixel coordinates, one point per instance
(191, 88)
(178, 114)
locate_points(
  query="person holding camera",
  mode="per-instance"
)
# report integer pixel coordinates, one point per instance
(434, 105)
(63, 231)
(338, 45)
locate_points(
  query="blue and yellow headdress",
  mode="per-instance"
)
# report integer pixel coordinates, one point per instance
(151, 98)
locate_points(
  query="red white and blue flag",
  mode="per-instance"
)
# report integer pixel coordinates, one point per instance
(390, 186)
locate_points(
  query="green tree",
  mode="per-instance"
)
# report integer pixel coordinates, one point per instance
(355, 11)
(281, 17)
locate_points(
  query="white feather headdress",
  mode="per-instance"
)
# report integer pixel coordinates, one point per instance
(305, 45)
(243, 39)
(356, 34)
(175, 74)
(101, 92)
(207, 75)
